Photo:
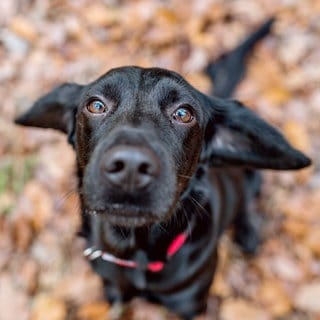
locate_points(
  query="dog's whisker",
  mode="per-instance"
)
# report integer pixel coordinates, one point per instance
(185, 176)
(162, 227)
(64, 197)
(122, 232)
(185, 213)
(197, 212)
(198, 205)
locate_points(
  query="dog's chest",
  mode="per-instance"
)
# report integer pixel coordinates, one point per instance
(138, 276)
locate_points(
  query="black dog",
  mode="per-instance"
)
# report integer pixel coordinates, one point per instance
(163, 170)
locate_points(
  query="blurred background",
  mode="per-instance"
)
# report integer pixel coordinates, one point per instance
(43, 275)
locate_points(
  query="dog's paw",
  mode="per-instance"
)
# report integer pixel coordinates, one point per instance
(248, 239)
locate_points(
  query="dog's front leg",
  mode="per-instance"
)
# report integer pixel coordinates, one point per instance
(189, 299)
(114, 294)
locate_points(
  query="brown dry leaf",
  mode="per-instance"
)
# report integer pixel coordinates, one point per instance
(6, 201)
(274, 298)
(217, 11)
(6, 244)
(24, 28)
(296, 228)
(41, 210)
(142, 310)
(198, 38)
(305, 257)
(13, 300)
(241, 309)
(300, 207)
(51, 172)
(307, 297)
(296, 133)
(101, 16)
(22, 232)
(295, 47)
(220, 286)
(74, 28)
(49, 308)
(116, 33)
(79, 286)
(272, 84)
(277, 94)
(287, 268)
(312, 240)
(156, 37)
(29, 276)
(200, 81)
(166, 16)
(93, 311)
(247, 283)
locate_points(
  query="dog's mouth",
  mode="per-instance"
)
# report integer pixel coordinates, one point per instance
(124, 215)
(139, 210)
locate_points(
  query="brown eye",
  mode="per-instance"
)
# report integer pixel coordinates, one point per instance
(183, 115)
(96, 106)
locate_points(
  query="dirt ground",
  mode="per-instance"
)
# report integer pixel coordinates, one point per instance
(43, 275)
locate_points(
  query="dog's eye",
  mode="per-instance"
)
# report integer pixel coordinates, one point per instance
(183, 115)
(96, 106)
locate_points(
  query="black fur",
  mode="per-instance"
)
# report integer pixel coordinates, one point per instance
(206, 177)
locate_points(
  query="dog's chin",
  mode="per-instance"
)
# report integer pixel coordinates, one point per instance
(127, 221)
(128, 216)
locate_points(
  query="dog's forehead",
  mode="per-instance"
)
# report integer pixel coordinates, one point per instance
(142, 75)
(137, 81)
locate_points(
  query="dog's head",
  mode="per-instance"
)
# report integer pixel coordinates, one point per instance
(139, 135)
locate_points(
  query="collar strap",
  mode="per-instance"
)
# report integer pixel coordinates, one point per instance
(155, 266)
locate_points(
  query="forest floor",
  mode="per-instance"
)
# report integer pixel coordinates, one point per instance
(43, 275)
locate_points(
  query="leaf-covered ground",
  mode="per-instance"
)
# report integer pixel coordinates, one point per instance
(43, 275)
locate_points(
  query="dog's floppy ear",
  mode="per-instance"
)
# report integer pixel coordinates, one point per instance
(235, 136)
(55, 110)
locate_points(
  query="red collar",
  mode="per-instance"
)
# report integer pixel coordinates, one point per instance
(154, 266)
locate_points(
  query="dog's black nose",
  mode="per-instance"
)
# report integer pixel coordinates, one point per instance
(130, 168)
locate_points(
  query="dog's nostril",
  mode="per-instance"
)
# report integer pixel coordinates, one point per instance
(145, 168)
(115, 166)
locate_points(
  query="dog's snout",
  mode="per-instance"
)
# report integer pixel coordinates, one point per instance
(130, 168)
